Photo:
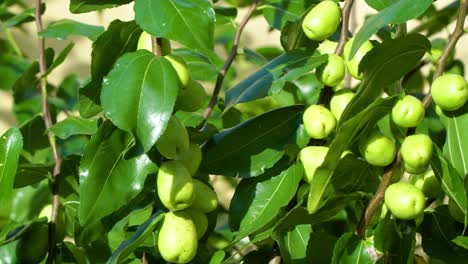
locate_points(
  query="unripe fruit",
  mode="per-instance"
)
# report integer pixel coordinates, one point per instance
(205, 198)
(437, 48)
(175, 186)
(32, 245)
(199, 219)
(332, 72)
(144, 43)
(340, 101)
(322, 20)
(449, 91)
(405, 201)
(416, 152)
(408, 112)
(428, 184)
(353, 64)
(311, 158)
(177, 239)
(180, 67)
(327, 47)
(191, 98)
(191, 158)
(455, 212)
(174, 140)
(377, 149)
(318, 121)
(217, 241)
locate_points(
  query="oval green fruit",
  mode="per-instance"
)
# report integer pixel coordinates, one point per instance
(340, 101)
(405, 201)
(177, 238)
(428, 184)
(416, 152)
(181, 68)
(408, 112)
(437, 48)
(311, 158)
(449, 91)
(318, 121)
(322, 20)
(174, 141)
(191, 158)
(377, 149)
(353, 63)
(144, 43)
(205, 198)
(199, 219)
(33, 244)
(327, 47)
(332, 72)
(175, 186)
(192, 98)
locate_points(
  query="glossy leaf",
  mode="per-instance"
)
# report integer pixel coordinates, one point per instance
(60, 58)
(380, 4)
(74, 126)
(119, 38)
(129, 245)
(278, 12)
(28, 174)
(63, 28)
(11, 68)
(456, 144)
(259, 144)
(293, 243)
(11, 144)
(82, 6)
(34, 134)
(461, 241)
(189, 22)
(286, 67)
(139, 95)
(107, 180)
(257, 201)
(400, 12)
(350, 249)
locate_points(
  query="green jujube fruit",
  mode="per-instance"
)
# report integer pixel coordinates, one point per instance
(33, 244)
(340, 101)
(191, 158)
(177, 238)
(428, 184)
(353, 63)
(449, 91)
(205, 198)
(318, 121)
(175, 186)
(416, 152)
(322, 20)
(199, 219)
(311, 158)
(408, 112)
(144, 43)
(192, 98)
(332, 72)
(174, 140)
(405, 201)
(181, 68)
(377, 149)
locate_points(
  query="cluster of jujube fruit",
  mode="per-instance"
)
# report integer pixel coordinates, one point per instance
(405, 200)
(187, 199)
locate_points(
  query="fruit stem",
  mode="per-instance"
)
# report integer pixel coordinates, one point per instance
(42, 86)
(229, 61)
(344, 27)
(157, 44)
(453, 39)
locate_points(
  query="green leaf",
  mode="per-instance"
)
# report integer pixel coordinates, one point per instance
(139, 95)
(190, 22)
(11, 68)
(26, 16)
(128, 246)
(108, 181)
(451, 181)
(74, 126)
(217, 257)
(346, 134)
(380, 4)
(28, 174)
(257, 201)
(278, 12)
(400, 12)
(83, 6)
(60, 58)
(11, 144)
(438, 19)
(293, 243)
(63, 28)
(461, 241)
(350, 249)
(203, 68)
(286, 67)
(119, 38)
(259, 144)
(384, 65)
(34, 134)
(456, 144)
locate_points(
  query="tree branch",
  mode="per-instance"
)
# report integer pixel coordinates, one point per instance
(453, 39)
(157, 44)
(229, 61)
(344, 27)
(42, 86)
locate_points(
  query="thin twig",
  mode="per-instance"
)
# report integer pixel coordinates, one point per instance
(227, 64)
(52, 140)
(456, 35)
(344, 26)
(386, 178)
